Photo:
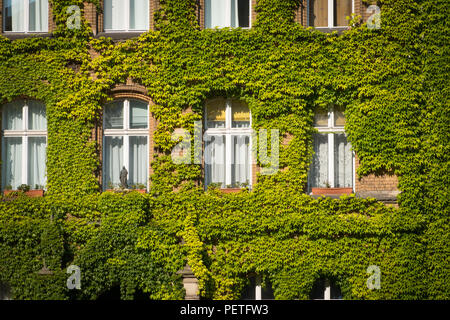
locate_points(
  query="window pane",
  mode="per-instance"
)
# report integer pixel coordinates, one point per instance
(114, 115)
(113, 15)
(138, 115)
(37, 119)
(138, 162)
(139, 13)
(215, 113)
(240, 168)
(38, 15)
(216, 13)
(318, 175)
(342, 9)
(113, 162)
(240, 115)
(12, 162)
(339, 118)
(36, 162)
(12, 116)
(321, 118)
(343, 162)
(243, 14)
(14, 15)
(318, 13)
(215, 160)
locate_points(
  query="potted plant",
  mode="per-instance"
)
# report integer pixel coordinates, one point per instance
(25, 189)
(140, 188)
(237, 187)
(330, 191)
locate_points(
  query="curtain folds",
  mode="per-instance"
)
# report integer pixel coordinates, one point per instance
(113, 161)
(12, 162)
(138, 161)
(36, 162)
(215, 160)
(241, 166)
(139, 13)
(343, 162)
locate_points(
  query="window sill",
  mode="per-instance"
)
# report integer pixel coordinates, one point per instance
(330, 191)
(120, 35)
(23, 35)
(232, 190)
(141, 191)
(31, 193)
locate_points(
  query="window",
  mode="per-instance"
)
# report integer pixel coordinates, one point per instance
(228, 143)
(257, 291)
(25, 15)
(24, 145)
(329, 13)
(126, 15)
(227, 13)
(325, 289)
(125, 143)
(332, 165)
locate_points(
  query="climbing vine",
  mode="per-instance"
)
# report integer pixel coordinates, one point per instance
(393, 82)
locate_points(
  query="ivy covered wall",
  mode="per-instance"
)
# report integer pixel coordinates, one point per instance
(393, 82)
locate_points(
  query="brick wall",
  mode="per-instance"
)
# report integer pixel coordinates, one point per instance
(381, 187)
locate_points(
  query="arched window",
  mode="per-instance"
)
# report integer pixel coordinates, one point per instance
(257, 290)
(332, 165)
(125, 143)
(5, 291)
(227, 13)
(24, 144)
(228, 155)
(25, 15)
(325, 289)
(126, 15)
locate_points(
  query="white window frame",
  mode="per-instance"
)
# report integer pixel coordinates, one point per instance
(327, 291)
(331, 130)
(25, 134)
(126, 133)
(127, 19)
(228, 14)
(26, 15)
(330, 15)
(229, 132)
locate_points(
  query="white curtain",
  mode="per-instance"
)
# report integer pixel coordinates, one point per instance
(139, 13)
(113, 161)
(215, 159)
(343, 162)
(318, 175)
(217, 13)
(38, 15)
(12, 162)
(138, 115)
(114, 16)
(37, 119)
(241, 166)
(36, 161)
(16, 11)
(12, 116)
(138, 161)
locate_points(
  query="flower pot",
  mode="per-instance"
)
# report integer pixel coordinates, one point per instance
(31, 193)
(330, 191)
(231, 190)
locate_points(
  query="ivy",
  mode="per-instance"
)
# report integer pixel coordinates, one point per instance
(393, 82)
